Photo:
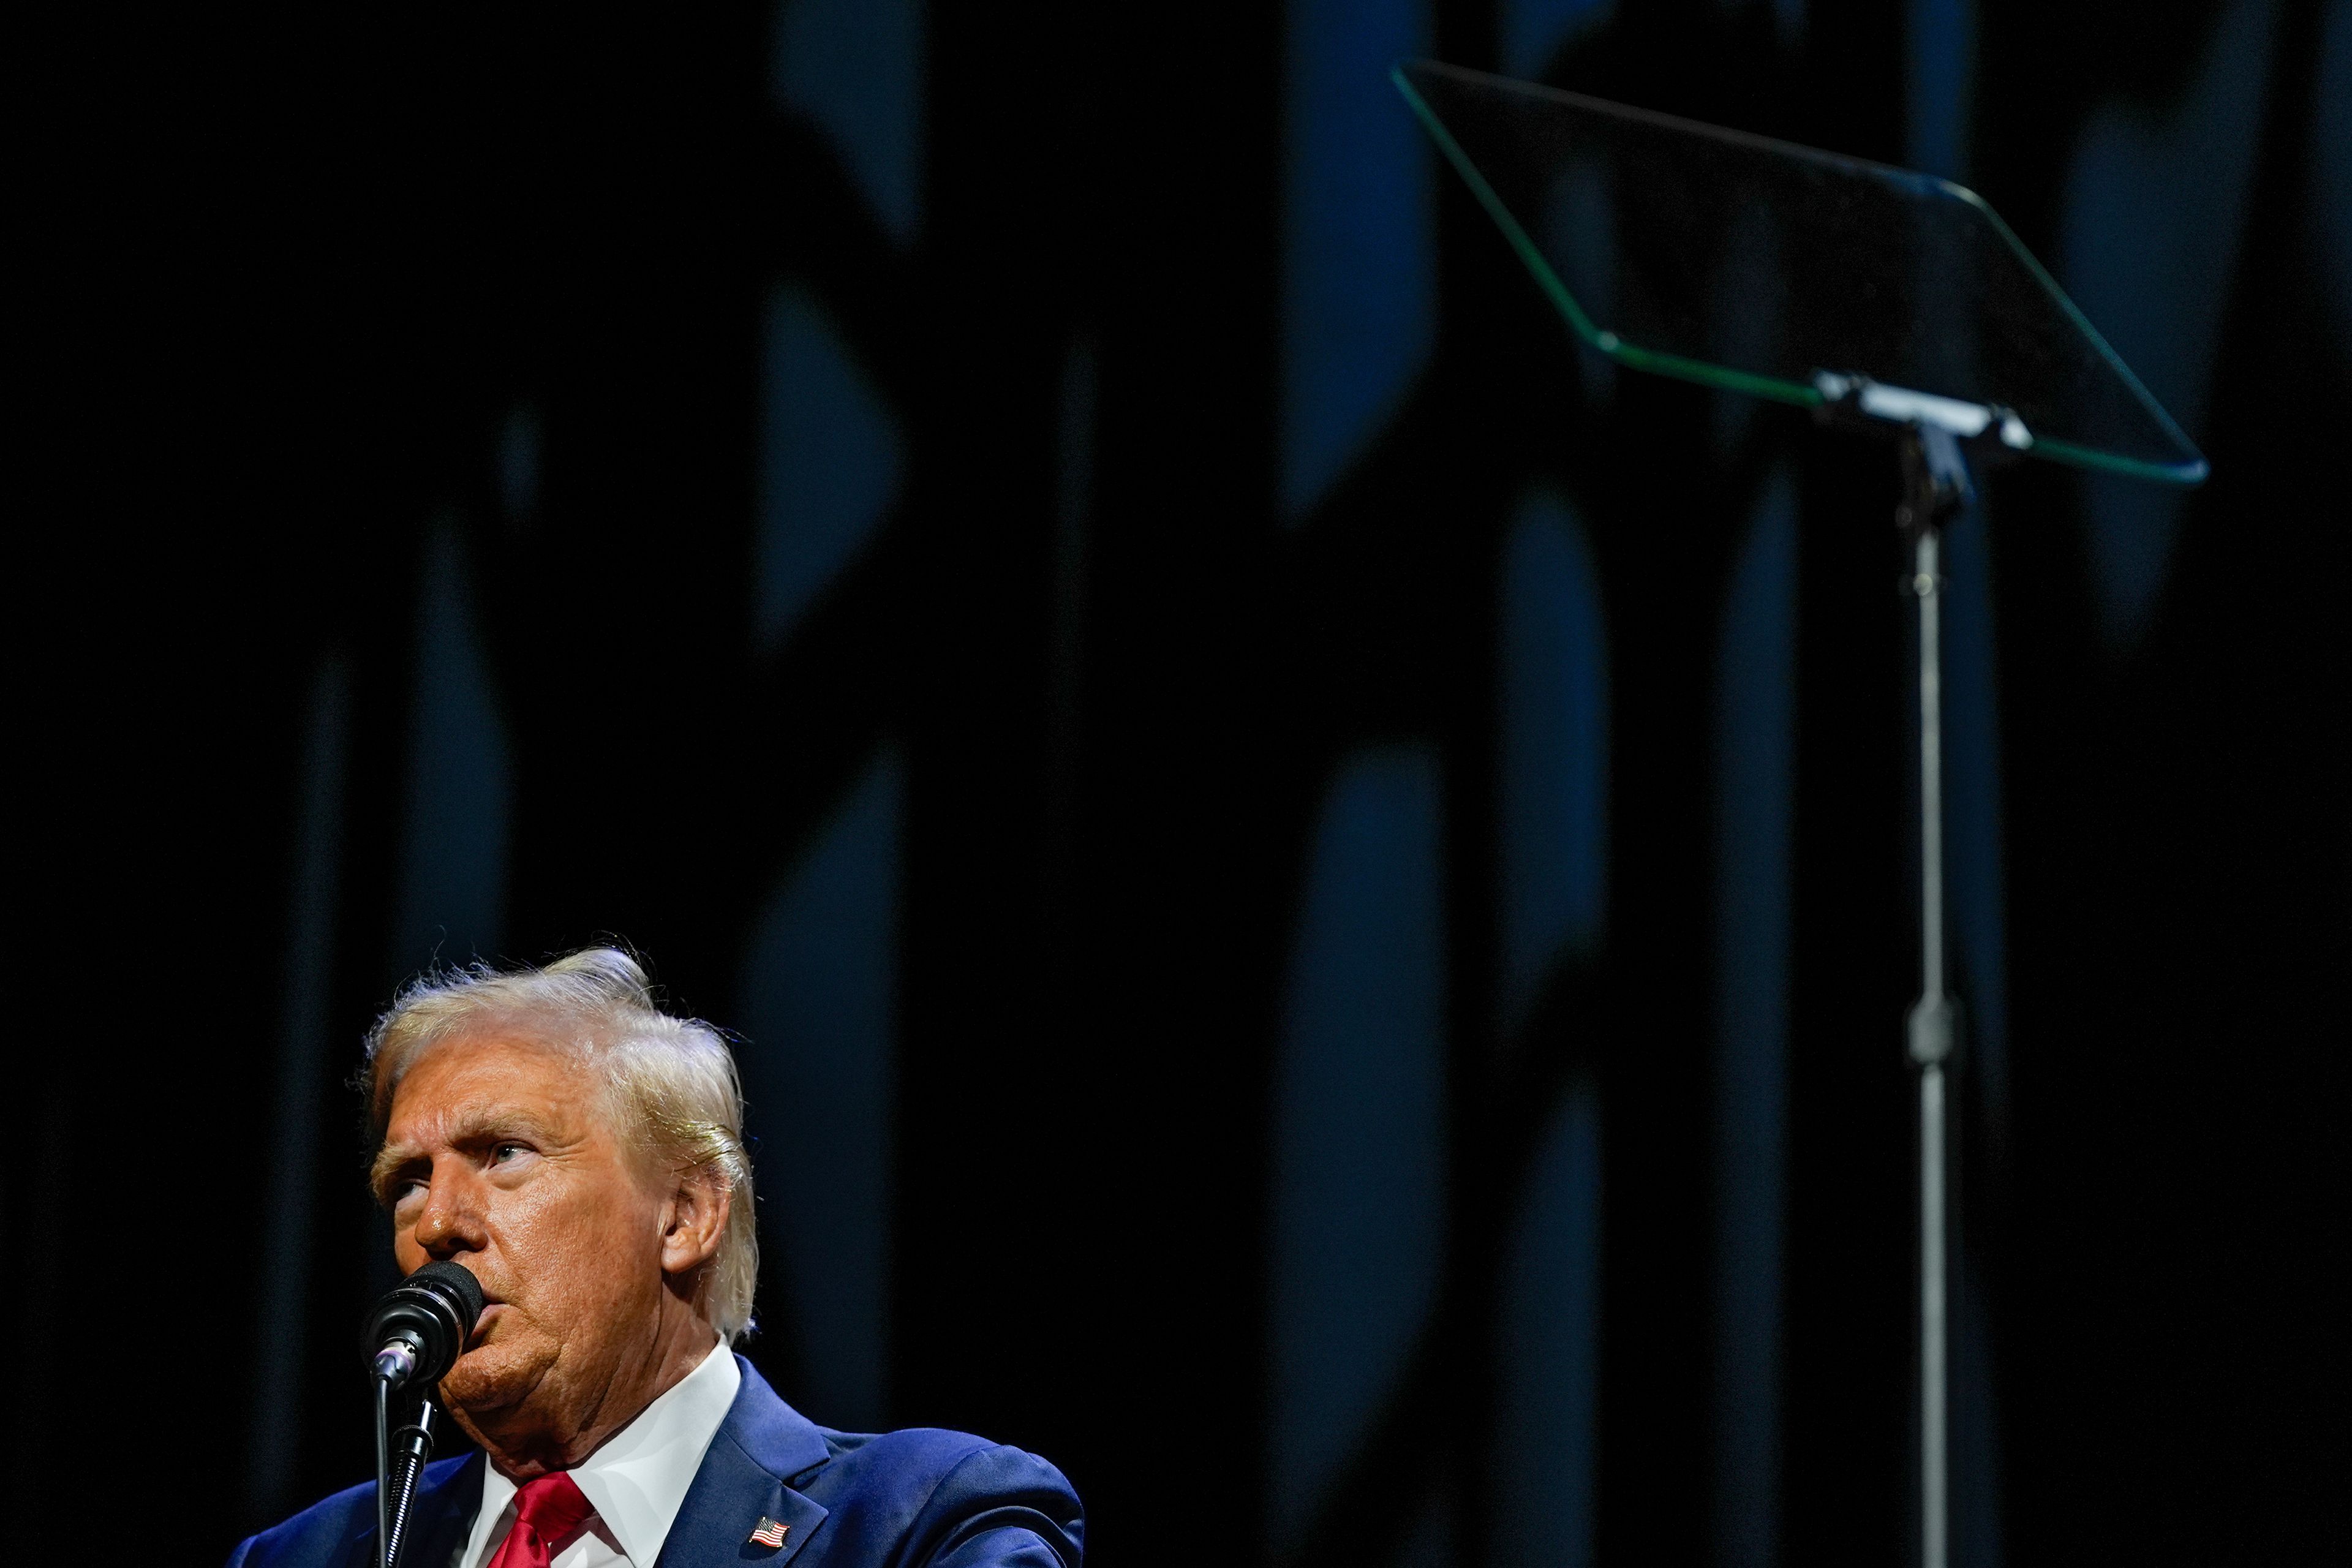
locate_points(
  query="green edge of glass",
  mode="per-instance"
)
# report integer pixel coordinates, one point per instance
(1722, 377)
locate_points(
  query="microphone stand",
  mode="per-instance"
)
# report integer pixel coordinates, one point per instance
(399, 1460)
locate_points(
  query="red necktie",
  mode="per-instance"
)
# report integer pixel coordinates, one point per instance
(549, 1512)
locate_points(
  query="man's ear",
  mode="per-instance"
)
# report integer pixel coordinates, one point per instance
(694, 1220)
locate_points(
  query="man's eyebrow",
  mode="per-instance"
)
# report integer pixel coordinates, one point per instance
(389, 1161)
(474, 1124)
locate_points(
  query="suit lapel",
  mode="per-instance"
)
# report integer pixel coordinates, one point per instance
(729, 1497)
(762, 1442)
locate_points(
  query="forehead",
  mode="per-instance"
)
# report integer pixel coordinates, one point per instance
(469, 1075)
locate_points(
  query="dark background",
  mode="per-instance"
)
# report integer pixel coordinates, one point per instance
(849, 500)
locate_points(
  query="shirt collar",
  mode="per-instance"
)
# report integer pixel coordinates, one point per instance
(638, 1477)
(498, 1496)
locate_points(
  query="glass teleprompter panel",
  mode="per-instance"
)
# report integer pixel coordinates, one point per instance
(1741, 262)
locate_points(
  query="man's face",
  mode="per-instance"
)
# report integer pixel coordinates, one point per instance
(500, 1154)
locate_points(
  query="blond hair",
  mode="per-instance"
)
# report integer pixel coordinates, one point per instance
(671, 1080)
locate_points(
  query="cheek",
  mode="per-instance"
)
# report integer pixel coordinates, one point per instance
(585, 1243)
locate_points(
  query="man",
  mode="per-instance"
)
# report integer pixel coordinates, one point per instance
(581, 1153)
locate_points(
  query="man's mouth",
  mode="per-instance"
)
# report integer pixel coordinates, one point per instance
(490, 1315)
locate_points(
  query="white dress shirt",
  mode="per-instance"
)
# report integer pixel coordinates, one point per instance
(636, 1481)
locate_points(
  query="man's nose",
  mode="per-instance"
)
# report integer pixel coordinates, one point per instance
(451, 1221)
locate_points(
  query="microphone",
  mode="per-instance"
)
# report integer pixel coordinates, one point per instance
(415, 1333)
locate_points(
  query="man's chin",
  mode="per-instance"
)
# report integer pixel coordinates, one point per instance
(492, 1377)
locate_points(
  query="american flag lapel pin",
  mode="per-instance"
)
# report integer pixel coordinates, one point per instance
(771, 1533)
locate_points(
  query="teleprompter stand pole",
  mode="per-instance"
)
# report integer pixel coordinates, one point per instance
(1930, 430)
(1936, 486)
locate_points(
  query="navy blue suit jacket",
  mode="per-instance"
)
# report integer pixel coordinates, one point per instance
(918, 1499)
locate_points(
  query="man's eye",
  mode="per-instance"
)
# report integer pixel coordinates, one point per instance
(501, 1153)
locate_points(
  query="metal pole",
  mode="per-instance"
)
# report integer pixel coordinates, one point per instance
(1933, 1473)
(1931, 1044)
